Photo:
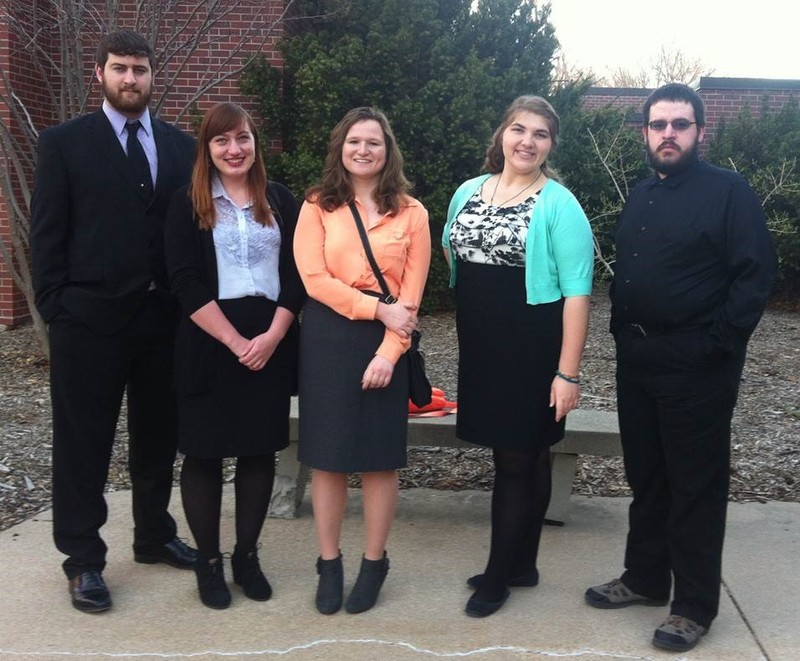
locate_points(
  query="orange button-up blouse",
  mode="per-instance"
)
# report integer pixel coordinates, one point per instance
(334, 268)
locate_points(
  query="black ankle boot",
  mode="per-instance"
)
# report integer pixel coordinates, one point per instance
(247, 573)
(211, 582)
(368, 585)
(330, 586)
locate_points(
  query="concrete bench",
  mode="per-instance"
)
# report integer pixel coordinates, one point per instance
(588, 432)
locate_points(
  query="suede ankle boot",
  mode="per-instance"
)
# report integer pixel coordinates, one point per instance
(330, 586)
(211, 582)
(368, 585)
(247, 574)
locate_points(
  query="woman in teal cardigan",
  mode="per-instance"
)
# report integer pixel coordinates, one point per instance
(521, 259)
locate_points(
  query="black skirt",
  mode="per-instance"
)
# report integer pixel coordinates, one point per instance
(343, 428)
(508, 354)
(234, 411)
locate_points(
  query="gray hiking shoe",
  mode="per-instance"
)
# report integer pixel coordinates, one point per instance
(615, 594)
(678, 634)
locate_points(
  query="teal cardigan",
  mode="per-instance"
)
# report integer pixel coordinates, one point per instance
(559, 250)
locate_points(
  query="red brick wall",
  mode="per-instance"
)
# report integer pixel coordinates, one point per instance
(723, 97)
(37, 99)
(616, 97)
(41, 98)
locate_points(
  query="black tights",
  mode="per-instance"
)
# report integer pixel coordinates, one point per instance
(201, 490)
(520, 498)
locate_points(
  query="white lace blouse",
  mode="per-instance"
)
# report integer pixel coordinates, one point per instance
(248, 253)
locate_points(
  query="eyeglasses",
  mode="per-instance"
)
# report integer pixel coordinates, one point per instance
(679, 125)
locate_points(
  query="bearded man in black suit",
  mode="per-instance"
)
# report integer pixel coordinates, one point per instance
(102, 186)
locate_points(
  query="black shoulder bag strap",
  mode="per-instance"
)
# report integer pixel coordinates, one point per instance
(419, 386)
(362, 232)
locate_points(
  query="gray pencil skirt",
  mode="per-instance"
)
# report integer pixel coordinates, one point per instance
(342, 427)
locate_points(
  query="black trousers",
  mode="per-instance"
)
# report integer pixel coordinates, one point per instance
(675, 407)
(89, 372)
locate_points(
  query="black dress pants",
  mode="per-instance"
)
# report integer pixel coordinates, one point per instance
(675, 407)
(89, 372)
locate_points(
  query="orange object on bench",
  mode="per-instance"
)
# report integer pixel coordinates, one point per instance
(438, 406)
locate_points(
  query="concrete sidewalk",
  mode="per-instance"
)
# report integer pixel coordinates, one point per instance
(439, 539)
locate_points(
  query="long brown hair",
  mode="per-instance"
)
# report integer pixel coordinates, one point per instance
(335, 189)
(534, 104)
(219, 119)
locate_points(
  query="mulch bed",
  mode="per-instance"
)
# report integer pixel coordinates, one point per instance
(765, 447)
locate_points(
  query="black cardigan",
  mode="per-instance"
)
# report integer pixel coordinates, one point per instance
(192, 270)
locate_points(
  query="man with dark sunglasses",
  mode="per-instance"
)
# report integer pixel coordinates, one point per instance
(695, 266)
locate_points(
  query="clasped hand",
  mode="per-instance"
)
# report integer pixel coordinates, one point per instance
(400, 317)
(255, 353)
(378, 373)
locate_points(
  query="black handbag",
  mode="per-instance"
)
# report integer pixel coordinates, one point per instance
(419, 388)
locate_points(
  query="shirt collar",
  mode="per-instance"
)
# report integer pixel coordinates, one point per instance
(118, 120)
(218, 190)
(675, 180)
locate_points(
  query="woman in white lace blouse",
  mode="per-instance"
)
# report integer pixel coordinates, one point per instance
(228, 244)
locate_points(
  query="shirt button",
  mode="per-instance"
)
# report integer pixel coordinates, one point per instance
(644, 229)
(626, 282)
(636, 254)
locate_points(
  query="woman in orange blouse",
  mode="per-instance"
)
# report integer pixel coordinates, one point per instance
(353, 370)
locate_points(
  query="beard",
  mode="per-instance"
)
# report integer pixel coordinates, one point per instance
(673, 165)
(128, 101)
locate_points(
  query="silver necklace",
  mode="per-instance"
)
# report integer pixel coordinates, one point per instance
(517, 194)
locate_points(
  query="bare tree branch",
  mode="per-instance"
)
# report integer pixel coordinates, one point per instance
(605, 160)
(669, 66)
(54, 37)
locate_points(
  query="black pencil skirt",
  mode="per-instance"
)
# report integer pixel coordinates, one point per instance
(508, 355)
(239, 412)
(342, 427)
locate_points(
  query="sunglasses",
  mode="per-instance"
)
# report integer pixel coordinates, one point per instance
(678, 124)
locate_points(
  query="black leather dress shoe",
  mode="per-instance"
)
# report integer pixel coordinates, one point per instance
(89, 592)
(529, 580)
(477, 607)
(174, 553)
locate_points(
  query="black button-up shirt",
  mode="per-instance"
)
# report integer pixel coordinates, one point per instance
(693, 250)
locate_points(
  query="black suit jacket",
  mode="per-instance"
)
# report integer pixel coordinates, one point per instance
(96, 242)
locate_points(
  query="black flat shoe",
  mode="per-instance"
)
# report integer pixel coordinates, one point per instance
(175, 553)
(89, 592)
(529, 580)
(480, 608)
